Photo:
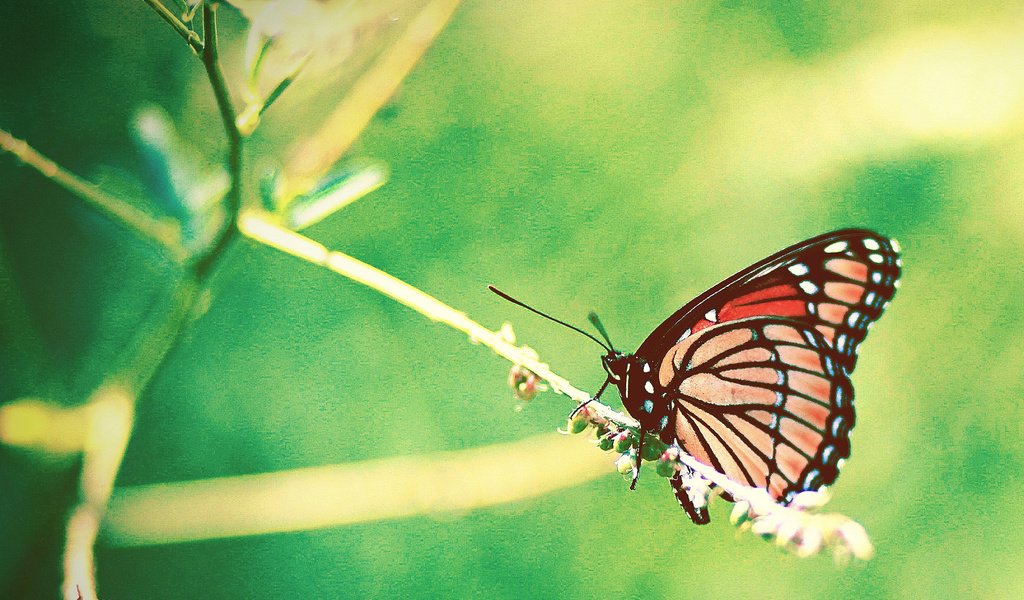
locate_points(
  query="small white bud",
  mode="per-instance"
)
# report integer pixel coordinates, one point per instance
(810, 499)
(787, 532)
(740, 513)
(810, 541)
(853, 537)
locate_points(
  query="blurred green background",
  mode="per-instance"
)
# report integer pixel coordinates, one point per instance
(620, 157)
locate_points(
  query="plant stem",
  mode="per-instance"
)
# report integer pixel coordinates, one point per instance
(210, 57)
(107, 432)
(263, 230)
(162, 231)
(112, 430)
(189, 36)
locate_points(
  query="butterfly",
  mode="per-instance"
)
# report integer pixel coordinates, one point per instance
(752, 377)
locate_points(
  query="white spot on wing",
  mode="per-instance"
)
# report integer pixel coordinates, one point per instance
(875, 258)
(711, 315)
(852, 318)
(647, 368)
(835, 247)
(896, 246)
(799, 269)
(649, 387)
(871, 244)
(685, 335)
(648, 406)
(876, 277)
(809, 287)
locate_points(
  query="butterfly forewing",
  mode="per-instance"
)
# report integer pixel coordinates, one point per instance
(763, 400)
(839, 283)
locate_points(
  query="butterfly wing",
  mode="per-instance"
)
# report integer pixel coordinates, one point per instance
(763, 400)
(838, 283)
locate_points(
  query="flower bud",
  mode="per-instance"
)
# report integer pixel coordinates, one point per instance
(809, 499)
(653, 448)
(852, 536)
(668, 462)
(810, 541)
(765, 526)
(524, 383)
(579, 422)
(624, 441)
(740, 513)
(624, 464)
(787, 532)
(666, 468)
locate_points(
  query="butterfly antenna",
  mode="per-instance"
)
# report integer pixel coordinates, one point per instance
(596, 322)
(547, 316)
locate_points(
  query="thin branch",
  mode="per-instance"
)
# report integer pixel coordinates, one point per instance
(187, 34)
(365, 491)
(102, 463)
(211, 63)
(262, 229)
(250, 117)
(111, 410)
(162, 231)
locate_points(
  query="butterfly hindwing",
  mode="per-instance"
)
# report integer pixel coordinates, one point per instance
(763, 400)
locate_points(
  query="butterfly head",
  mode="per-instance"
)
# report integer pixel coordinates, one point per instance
(615, 364)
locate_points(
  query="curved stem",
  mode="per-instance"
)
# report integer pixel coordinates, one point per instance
(233, 199)
(112, 429)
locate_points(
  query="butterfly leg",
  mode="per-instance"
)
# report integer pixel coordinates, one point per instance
(698, 515)
(595, 397)
(639, 460)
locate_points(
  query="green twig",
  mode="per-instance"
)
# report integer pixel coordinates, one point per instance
(189, 36)
(163, 232)
(100, 467)
(287, 81)
(227, 113)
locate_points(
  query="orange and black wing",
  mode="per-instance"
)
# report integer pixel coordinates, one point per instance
(763, 400)
(838, 283)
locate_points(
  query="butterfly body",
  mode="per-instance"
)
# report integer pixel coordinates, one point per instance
(752, 377)
(639, 388)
